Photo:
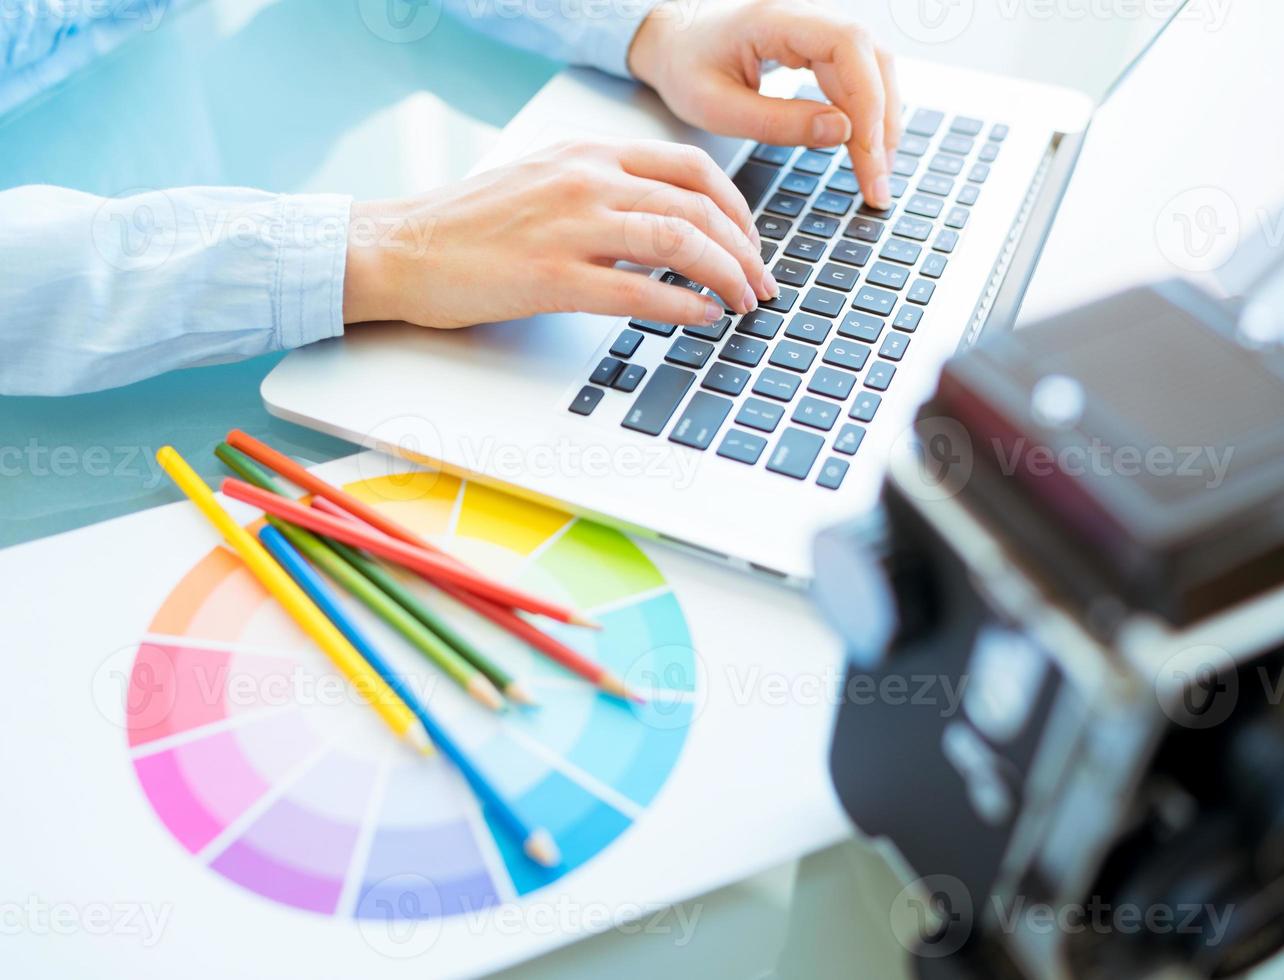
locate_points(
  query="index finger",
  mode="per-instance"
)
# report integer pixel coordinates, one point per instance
(842, 56)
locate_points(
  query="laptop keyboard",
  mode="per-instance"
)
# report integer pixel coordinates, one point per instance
(792, 386)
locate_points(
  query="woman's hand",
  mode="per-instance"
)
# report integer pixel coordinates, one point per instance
(544, 235)
(707, 69)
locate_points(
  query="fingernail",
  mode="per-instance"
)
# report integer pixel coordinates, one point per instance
(882, 191)
(769, 284)
(712, 312)
(749, 301)
(829, 129)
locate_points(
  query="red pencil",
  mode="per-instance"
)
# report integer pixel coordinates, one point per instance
(437, 568)
(301, 477)
(505, 618)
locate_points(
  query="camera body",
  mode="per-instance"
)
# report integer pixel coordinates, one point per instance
(1062, 714)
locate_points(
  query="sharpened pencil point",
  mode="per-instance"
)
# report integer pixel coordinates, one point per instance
(615, 687)
(486, 692)
(542, 849)
(419, 741)
(519, 695)
(580, 620)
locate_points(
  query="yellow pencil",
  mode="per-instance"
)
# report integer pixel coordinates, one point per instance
(277, 581)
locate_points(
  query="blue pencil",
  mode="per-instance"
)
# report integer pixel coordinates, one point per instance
(537, 843)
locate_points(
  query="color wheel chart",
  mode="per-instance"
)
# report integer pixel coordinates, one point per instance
(267, 770)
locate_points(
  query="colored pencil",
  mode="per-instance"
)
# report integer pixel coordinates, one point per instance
(301, 609)
(384, 595)
(536, 842)
(448, 568)
(432, 566)
(505, 618)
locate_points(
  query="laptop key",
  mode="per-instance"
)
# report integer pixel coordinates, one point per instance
(824, 302)
(869, 211)
(894, 346)
(968, 195)
(989, 153)
(864, 229)
(945, 163)
(904, 165)
(861, 326)
(630, 377)
(819, 225)
(787, 204)
(837, 277)
(754, 179)
(653, 326)
(958, 143)
(760, 415)
(999, 133)
(907, 318)
(847, 355)
(865, 406)
(957, 217)
(776, 156)
(767, 251)
(844, 182)
(782, 303)
(966, 125)
(849, 439)
(791, 273)
(832, 383)
(816, 414)
(925, 122)
(934, 265)
(769, 226)
(921, 291)
(776, 384)
(806, 326)
(626, 344)
(700, 420)
(897, 186)
(812, 162)
(926, 205)
(880, 375)
(807, 249)
(659, 399)
(899, 250)
(798, 183)
(725, 378)
(832, 473)
(937, 184)
(794, 357)
(886, 274)
(606, 371)
(914, 145)
(795, 452)
(979, 173)
(832, 203)
(672, 278)
(586, 400)
(689, 352)
(760, 323)
(744, 350)
(946, 241)
(711, 331)
(743, 447)
(853, 253)
(916, 228)
(877, 301)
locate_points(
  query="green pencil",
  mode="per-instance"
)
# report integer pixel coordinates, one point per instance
(386, 597)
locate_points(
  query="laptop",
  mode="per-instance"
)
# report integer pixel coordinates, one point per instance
(739, 440)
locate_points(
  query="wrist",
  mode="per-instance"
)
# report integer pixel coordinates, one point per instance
(645, 55)
(366, 273)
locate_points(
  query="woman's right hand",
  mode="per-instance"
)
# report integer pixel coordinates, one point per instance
(544, 234)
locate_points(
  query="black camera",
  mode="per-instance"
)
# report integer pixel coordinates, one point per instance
(1085, 542)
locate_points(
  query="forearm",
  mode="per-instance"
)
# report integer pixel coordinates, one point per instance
(97, 293)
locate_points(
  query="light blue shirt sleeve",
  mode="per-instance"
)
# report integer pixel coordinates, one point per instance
(100, 292)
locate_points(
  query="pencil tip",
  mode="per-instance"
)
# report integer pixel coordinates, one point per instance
(617, 688)
(580, 620)
(419, 740)
(519, 695)
(542, 849)
(486, 692)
